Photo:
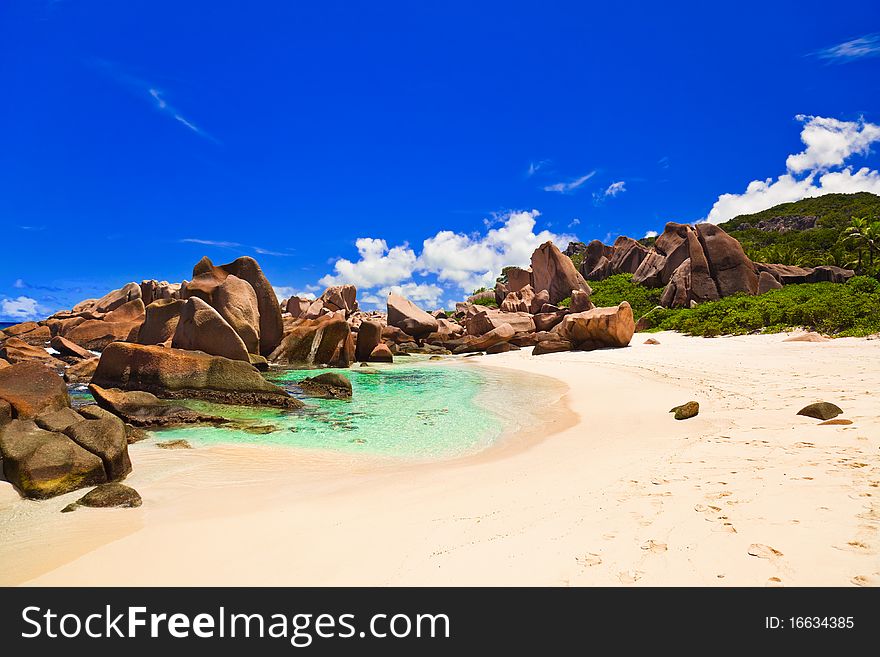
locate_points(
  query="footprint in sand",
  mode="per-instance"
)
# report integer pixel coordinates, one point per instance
(865, 580)
(853, 546)
(654, 546)
(630, 576)
(774, 582)
(764, 551)
(590, 559)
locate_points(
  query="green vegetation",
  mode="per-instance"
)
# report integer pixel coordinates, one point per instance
(851, 309)
(489, 303)
(620, 287)
(577, 259)
(831, 242)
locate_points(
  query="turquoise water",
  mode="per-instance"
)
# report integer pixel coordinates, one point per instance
(425, 410)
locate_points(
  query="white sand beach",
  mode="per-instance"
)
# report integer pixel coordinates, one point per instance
(610, 491)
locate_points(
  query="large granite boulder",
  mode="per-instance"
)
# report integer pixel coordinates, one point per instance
(496, 336)
(409, 318)
(731, 268)
(160, 321)
(107, 439)
(81, 371)
(341, 297)
(15, 350)
(35, 334)
(297, 307)
(201, 328)
(518, 278)
(236, 302)
(597, 256)
(368, 338)
(324, 341)
(30, 389)
(178, 374)
(69, 350)
(627, 256)
(144, 409)
(271, 327)
(488, 320)
(599, 327)
(555, 272)
(153, 290)
(329, 385)
(42, 464)
(113, 300)
(121, 323)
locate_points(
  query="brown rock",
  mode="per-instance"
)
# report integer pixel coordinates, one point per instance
(767, 282)
(500, 334)
(518, 278)
(95, 335)
(297, 307)
(236, 302)
(160, 321)
(551, 347)
(108, 496)
(652, 341)
(143, 409)
(731, 268)
(6, 412)
(115, 299)
(381, 354)
(15, 350)
(58, 420)
(837, 421)
(30, 388)
(821, 410)
(341, 297)
(37, 337)
(368, 338)
(329, 385)
(70, 349)
(17, 330)
(501, 348)
(599, 328)
(107, 439)
(555, 272)
(42, 464)
(82, 371)
(580, 301)
(487, 320)
(201, 328)
(628, 254)
(409, 318)
(324, 341)
(597, 260)
(178, 374)
(174, 444)
(271, 326)
(686, 411)
(546, 321)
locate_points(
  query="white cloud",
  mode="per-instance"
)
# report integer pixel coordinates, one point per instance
(224, 245)
(829, 143)
(378, 265)
(865, 46)
(475, 261)
(163, 106)
(574, 222)
(534, 167)
(615, 188)
(424, 294)
(461, 262)
(19, 284)
(566, 187)
(19, 309)
(651, 233)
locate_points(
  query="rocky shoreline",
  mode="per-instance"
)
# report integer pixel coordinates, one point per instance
(144, 345)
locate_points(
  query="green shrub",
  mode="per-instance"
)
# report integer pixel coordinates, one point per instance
(851, 309)
(489, 303)
(620, 287)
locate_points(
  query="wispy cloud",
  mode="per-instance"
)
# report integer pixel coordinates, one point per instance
(259, 250)
(574, 222)
(534, 167)
(650, 233)
(859, 48)
(615, 188)
(151, 92)
(163, 106)
(663, 162)
(34, 228)
(570, 186)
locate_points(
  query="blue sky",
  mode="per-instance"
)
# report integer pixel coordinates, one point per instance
(423, 144)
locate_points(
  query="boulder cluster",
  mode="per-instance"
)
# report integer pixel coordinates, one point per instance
(695, 264)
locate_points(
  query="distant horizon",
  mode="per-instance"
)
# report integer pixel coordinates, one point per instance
(400, 148)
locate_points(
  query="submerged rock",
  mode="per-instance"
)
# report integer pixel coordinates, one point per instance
(329, 385)
(174, 444)
(179, 374)
(144, 409)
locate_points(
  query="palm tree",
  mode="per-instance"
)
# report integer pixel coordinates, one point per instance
(864, 234)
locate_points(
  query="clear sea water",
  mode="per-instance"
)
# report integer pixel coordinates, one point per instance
(424, 410)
